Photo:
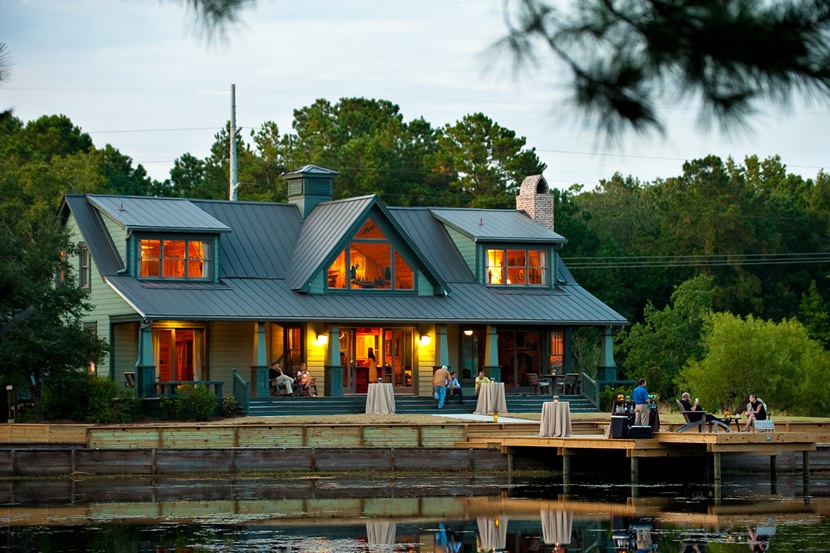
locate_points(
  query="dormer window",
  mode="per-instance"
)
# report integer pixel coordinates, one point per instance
(517, 267)
(174, 259)
(370, 261)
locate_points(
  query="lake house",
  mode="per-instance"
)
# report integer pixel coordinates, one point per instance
(189, 290)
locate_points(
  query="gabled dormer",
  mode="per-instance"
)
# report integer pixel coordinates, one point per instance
(166, 239)
(503, 248)
(354, 246)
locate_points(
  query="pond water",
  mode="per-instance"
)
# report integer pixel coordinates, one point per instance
(415, 514)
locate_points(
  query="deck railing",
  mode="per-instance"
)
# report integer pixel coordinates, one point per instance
(590, 389)
(241, 392)
(169, 387)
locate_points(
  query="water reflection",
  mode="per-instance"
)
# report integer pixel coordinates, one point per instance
(473, 515)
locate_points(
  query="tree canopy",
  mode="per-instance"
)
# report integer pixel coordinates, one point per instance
(626, 55)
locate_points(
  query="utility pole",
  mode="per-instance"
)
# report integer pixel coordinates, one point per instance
(234, 184)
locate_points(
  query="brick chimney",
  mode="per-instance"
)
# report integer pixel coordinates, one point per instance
(536, 200)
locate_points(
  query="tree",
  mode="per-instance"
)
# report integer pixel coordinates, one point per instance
(777, 361)
(625, 55)
(51, 339)
(659, 347)
(812, 313)
(490, 160)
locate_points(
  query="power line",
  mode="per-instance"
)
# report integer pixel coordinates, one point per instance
(655, 262)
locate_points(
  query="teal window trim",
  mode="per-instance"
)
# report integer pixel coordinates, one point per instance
(84, 268)
(211, 259)
(483, 268)
(394, 247)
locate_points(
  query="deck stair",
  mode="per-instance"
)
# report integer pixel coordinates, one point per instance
(354, 404)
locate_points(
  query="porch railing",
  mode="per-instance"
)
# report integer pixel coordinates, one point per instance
(169, 387)
(590, 389)
(241, 391)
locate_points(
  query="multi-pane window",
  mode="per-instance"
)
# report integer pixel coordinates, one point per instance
(517, 267)
(370, 261)
(180, 259)
(557, 352)
(84, 268)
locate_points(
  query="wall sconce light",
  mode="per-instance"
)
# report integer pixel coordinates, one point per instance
(468, 332)
(322, 339)
(426, 339)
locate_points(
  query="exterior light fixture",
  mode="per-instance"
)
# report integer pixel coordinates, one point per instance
(468, 332)
(322, 339)
(426, 339)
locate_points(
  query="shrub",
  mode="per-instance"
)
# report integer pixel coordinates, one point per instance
(608, 395)
(82, 396)
(190, 402)
(231, 407)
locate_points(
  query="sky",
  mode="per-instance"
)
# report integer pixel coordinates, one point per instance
(140, 75)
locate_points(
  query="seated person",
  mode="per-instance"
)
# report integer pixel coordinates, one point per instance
(755, 411)
(481, 379)
(685, 400)
(454, 387)
(281, 379)
(305, 381)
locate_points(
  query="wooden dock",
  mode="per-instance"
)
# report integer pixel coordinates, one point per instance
(708, 445)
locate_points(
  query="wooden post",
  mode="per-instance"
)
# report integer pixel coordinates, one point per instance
(805, 467)
(716, 469)
(635, 471)
(566, 468)
(773, 473)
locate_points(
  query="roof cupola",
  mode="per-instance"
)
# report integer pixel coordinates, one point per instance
(309, 186)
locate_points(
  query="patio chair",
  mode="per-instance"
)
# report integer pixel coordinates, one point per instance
(129, 380)
(536, 385)
(700, 423)
(571, 384)
(766, 425)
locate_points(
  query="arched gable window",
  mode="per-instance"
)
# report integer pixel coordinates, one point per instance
(370, 261)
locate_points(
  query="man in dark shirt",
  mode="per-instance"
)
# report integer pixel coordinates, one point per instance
(685, 400)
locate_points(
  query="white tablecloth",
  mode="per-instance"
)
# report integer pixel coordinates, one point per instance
(557, 526)
(556, 419)
(491, 398)
(380, 533)
(380, 399)
(492, 533)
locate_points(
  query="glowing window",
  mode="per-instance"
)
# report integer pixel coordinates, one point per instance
(370, 262)
(174, 259)
(517, 267)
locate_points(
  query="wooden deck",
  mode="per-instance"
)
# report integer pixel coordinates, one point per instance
(708, 445)
(513, 441)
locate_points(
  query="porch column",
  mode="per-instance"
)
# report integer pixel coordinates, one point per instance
(263, 384)
(333, 368)
(146, 377)
(491, 354)
(443, 346)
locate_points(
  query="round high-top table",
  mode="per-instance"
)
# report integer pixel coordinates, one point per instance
(380, 398)
(556, 419)
(491, 398)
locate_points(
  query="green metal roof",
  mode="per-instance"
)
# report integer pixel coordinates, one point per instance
(147, 213)
(497, 225)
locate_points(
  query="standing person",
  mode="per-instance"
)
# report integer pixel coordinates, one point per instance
(481, 379)
(454, 388)
(439, 384)
(373, 366)
(640, 397)
(755, 411)
(282, 379)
